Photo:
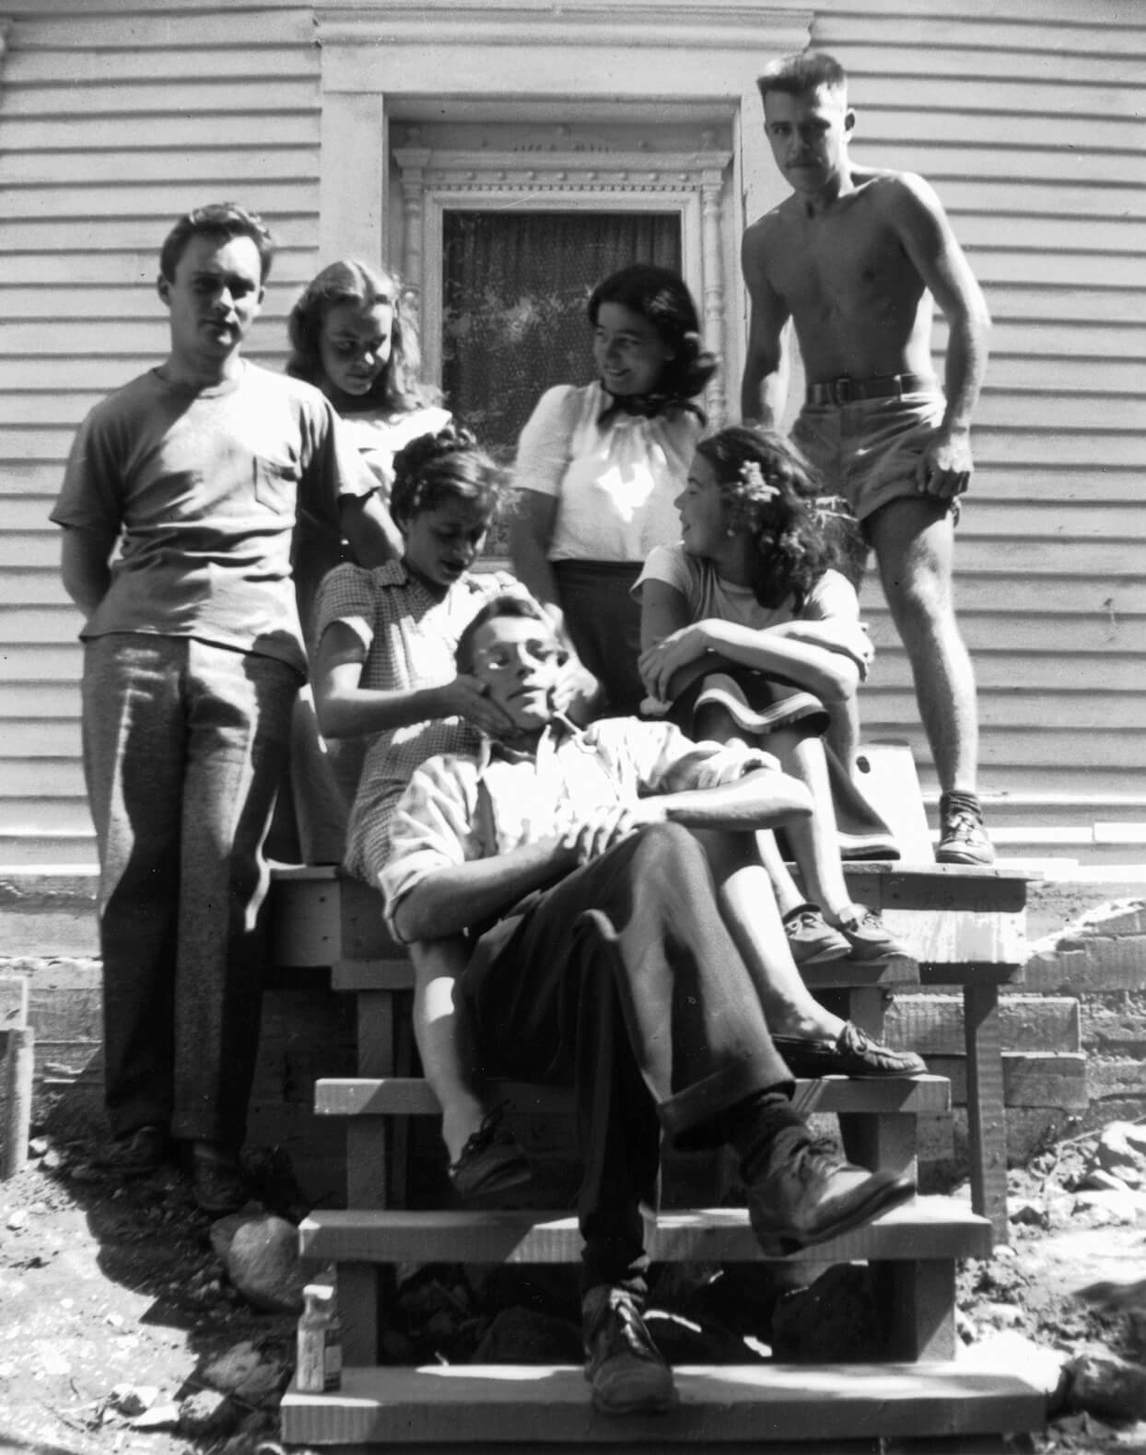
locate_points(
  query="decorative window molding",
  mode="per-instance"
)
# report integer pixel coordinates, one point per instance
(648, 62)
(688, 183)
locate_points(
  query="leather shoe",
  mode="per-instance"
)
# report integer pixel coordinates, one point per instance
(628, 1373)
(852, 1053)
(217, 1181)
(802, 1191)
(135, 1155)
(811, 939)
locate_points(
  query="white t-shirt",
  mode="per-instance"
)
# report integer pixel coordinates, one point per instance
(711, 596)
(615, 486)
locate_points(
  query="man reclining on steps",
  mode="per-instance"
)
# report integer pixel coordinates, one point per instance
(600, 960)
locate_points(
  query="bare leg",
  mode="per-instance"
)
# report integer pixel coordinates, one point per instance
(750, 911)
(815, 840)
(914, 544)
(714, 724)
(843, 734)
(437, 965)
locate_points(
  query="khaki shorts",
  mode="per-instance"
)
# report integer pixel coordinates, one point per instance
(867, 451)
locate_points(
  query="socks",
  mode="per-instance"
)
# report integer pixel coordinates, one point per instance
(754, 1124)
(955, 801)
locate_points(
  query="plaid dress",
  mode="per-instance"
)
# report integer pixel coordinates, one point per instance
(410, 638)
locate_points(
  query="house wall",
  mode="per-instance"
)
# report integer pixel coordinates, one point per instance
(115, 115)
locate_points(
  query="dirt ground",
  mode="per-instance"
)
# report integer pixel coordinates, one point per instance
(112, 1291)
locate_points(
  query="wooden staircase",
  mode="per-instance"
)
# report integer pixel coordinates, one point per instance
(964, 928)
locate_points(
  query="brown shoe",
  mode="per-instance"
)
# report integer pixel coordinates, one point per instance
(628, 1373)
(802, 1191)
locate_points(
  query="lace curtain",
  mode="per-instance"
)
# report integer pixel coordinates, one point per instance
(514, 291)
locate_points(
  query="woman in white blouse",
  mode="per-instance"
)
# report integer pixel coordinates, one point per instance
(598, 468)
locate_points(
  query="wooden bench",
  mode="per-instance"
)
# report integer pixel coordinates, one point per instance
(17, 1046)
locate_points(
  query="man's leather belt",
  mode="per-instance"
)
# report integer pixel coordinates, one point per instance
(885, 386)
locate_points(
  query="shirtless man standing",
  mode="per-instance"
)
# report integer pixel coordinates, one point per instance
(855, 257)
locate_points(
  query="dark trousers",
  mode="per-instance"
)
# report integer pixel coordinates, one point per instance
(603, 620)
(623, 982)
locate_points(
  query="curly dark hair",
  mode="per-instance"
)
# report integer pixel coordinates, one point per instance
(769, 491)
(662, 296)
(398, 387)
(449, 465)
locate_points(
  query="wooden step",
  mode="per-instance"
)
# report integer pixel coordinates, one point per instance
(926, 1228)
(392, 972)
(411, 1096)
(764, 1407)
(318, 914)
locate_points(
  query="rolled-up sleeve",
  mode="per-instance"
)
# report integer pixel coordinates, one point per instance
(663, 760)
(433, 828)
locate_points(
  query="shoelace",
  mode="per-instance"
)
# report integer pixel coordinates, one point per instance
(962, 824)
(633, 1331)
(807, 919)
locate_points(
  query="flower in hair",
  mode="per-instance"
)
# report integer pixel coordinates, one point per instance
(753, 476)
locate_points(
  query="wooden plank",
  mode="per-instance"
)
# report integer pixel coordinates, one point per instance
(918, 1300)
(84, 168)
(167, 132)
(411, 1096)
(41, 777)
(926, 1227)
(933, 1024)
(293, 264)
(993, 263)
(265, 195)
(13, 1003)
(535, 1405)
(932, 30)
(1080, 711)
(957, 158)
(1014, 94)
(956, 937)
(986, 1121)
(26, 68)
(192, 95)
(1029, 1079)
(893, 885)
(965, 194)
(882, 124)
(173, 28)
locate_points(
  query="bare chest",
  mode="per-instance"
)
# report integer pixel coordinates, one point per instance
(848, 264)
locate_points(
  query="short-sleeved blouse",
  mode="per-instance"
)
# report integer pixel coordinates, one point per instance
(614, 483)
(410, 639)
(710, 596)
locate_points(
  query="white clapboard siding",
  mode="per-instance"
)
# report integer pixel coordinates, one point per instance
(1027, 115)
(1030, 119)
(114, 119)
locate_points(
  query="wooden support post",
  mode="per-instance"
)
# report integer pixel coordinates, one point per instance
(917, 1299)
(883, 1142)
(986, 1116)
(18, 1121)
(358, 1312)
